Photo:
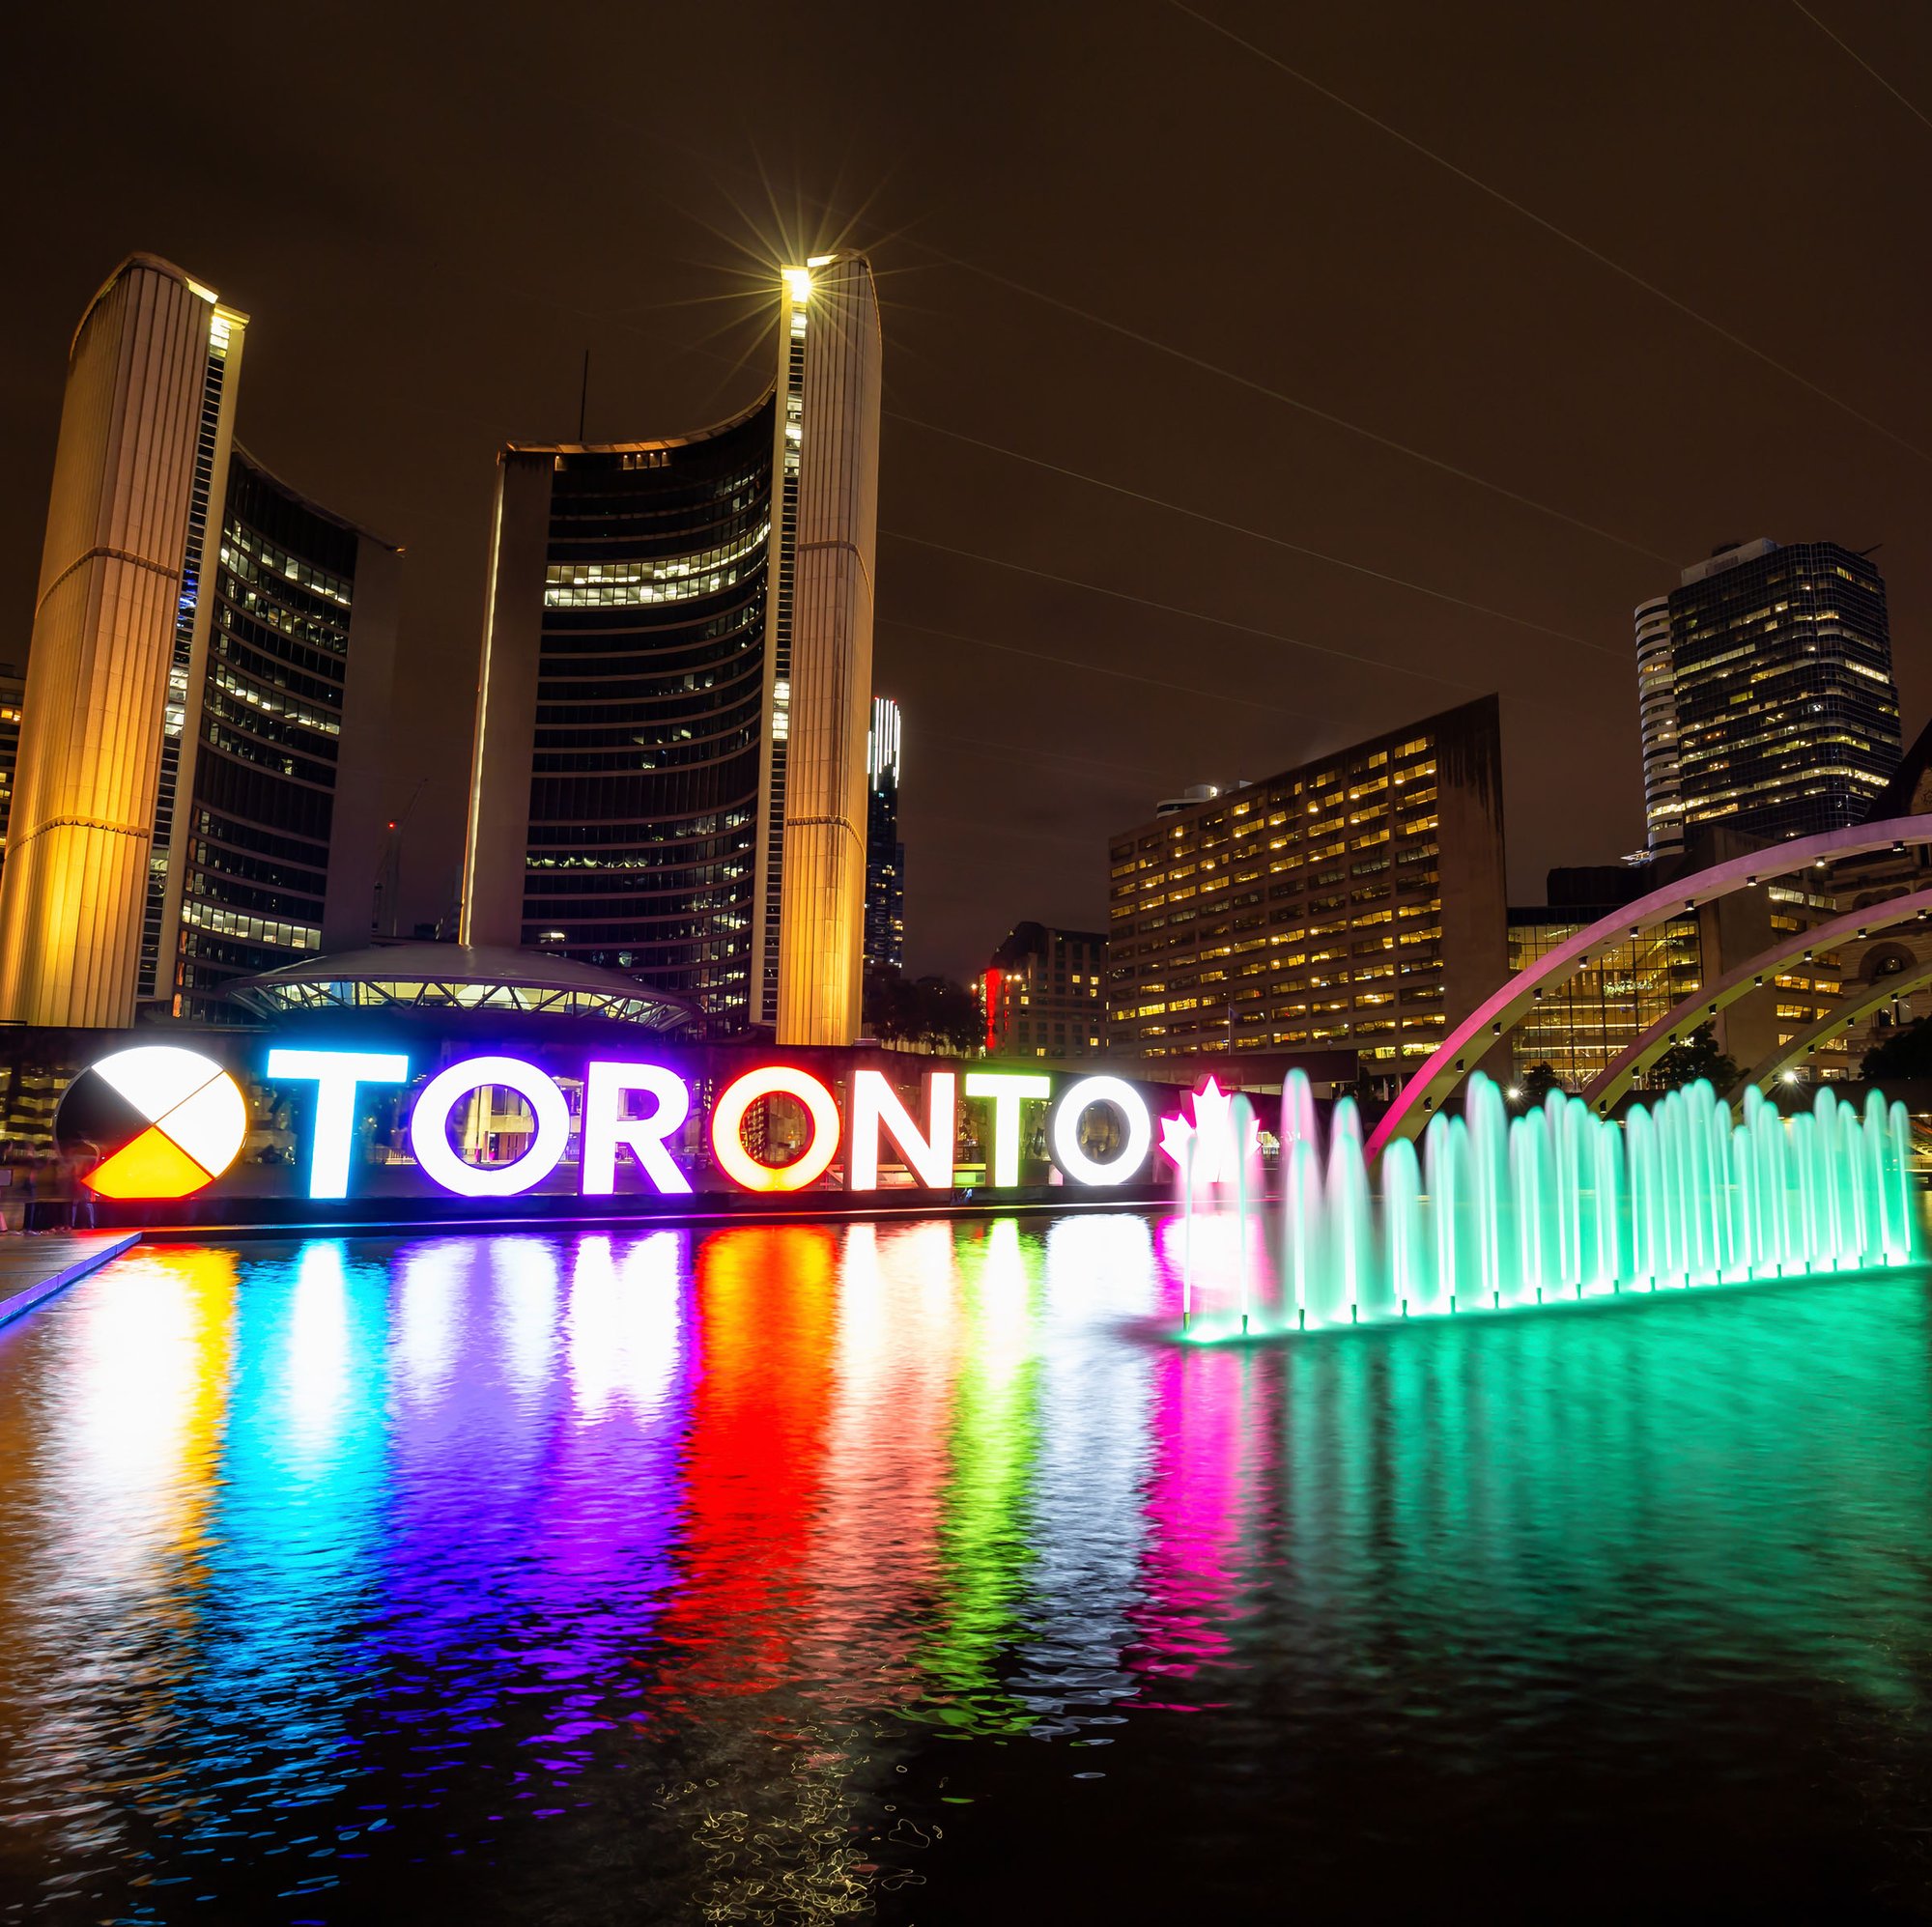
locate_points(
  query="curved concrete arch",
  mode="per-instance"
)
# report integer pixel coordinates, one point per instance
(1610, 1084)
(1853, 1010)
(1456, 1055)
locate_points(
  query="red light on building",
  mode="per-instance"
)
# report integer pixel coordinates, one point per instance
(992, 981)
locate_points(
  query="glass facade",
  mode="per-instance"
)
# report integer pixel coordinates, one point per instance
(885, 854)
(401, 979)
(652, 672)
(152, 980)
(268, 738)
(1577, 1027)
(1781, 694)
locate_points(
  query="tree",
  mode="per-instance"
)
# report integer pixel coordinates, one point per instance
(950, 1018)
(888, 1003)
(1697, 1056)
(1538, 1082)
(1904, 1055)
(931, 1011)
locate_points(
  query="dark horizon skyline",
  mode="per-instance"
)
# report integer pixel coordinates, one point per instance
(1072, 232)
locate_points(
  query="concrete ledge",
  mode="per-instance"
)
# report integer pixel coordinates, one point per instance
(33, 1269)
(213, 1214)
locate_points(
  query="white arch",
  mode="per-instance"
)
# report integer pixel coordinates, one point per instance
(1438, 1079)
(1610, 1084)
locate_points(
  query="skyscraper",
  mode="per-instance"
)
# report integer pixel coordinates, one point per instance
(1657, 714)
(885, 854)
(1769, 706)
(147, 414)
(669, 771)
(275, 819)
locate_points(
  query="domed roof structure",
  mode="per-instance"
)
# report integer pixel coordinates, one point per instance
(461, 976)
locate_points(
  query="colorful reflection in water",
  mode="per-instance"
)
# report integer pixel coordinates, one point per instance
(791, 1571)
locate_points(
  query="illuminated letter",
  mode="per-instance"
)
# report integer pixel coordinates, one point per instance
(604, 1130)
(1131, 1105)
(1008, 1088)
(429, 1127)
(336, 1075)
(727, 1117)
(876, 1105)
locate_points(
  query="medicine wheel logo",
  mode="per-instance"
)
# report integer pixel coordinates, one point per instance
(162, 1123)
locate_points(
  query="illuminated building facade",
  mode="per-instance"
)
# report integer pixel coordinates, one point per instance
(1044, 994)
(669, 773)
(885, 854)
(12, 693)
(1581, 1025)
(1355, 902)
(1899, 957)
(274, 809)
(1657, 716)
(1766, 694)
(145, 421)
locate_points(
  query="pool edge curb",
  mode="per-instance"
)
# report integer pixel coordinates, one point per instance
(19, 1303)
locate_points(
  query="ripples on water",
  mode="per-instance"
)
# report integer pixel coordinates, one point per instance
(783, 1574)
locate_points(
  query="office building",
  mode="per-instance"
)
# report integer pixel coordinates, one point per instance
(1766, 694)
(1355, 902)
(275, 813)
(147, 414)
(1043, 994)
(885, 854)
(1579, 1025)
(12, 693)
(1898, 957)
(1657, 716)
(669, 771)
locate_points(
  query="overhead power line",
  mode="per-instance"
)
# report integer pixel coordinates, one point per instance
(658, 137)
(1189, 614)
(1563, 235)
(1256, 534)
(1852, 53)
(1295, 402)
(1092, 669)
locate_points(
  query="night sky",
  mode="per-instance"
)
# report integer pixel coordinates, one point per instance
(1078, 215)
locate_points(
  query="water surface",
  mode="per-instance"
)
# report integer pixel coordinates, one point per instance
(799, 1573)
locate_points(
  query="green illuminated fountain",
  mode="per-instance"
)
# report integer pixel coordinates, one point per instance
(1552, 1205)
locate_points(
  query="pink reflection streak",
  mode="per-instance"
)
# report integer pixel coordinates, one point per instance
(1193, 1509)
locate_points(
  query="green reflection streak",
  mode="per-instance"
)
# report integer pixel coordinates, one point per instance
(985, 1547)
(1734, 1485)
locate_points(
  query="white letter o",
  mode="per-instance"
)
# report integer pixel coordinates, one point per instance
(1131, 1105)
(429, 1127)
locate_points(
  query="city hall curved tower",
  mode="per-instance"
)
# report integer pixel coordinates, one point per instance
(146, 424)
(669, 766)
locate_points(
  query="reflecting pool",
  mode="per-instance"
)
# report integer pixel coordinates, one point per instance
(907, 1572)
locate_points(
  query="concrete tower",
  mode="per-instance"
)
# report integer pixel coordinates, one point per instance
(822, 939)
(149, 402)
